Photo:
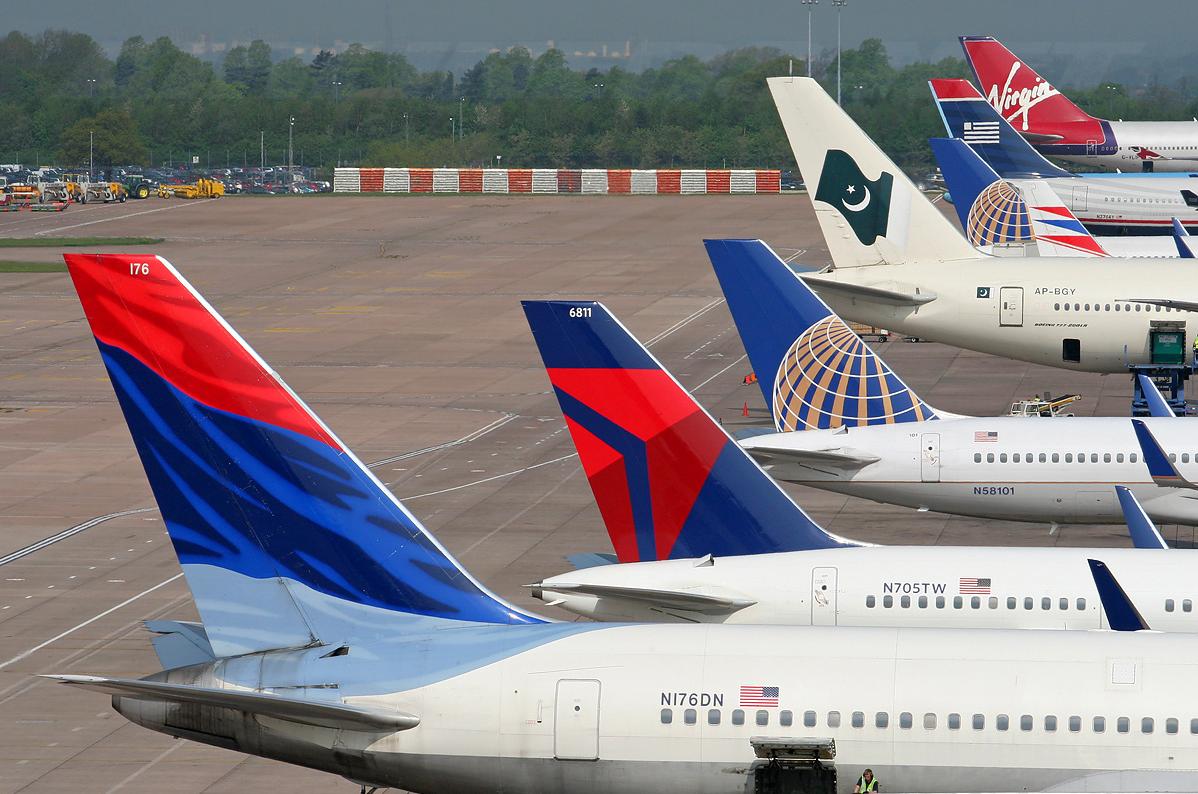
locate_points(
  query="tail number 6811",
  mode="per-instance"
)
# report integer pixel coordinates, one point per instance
(580, 311)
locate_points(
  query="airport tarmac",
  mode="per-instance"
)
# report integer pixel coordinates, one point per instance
(398, 320)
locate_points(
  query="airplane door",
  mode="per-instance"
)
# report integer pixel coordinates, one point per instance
(929, 457)
(1010, 306)
(1092, 148)
(576, 721)
(1081, 197)
(823, 597)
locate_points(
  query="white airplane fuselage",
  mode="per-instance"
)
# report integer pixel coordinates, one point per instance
(1023, 308)
(1061, 469)
(627, 709)
(1129, 204)
(1166, 145)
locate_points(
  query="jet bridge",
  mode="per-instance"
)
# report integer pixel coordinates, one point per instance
(786, 765)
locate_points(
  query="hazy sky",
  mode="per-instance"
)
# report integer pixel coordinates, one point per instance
(1085, 36)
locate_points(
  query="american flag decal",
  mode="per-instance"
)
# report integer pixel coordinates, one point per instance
(971, 586)
(759, 697)
(983, 436)
(981, 132)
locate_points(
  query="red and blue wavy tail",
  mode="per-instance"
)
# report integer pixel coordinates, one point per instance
(285, 537)
(670, 483)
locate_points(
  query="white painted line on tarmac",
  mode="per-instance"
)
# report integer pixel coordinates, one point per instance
(486, 479)
(466, 439)
(191, 203)
(721, 372)
(684, 321)
(68, 532)
(88, 622)
(148, 765)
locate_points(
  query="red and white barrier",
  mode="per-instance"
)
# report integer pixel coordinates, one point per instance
(551, 181)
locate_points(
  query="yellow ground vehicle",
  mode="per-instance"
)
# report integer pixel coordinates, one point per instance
(102, 191)
(201, 188)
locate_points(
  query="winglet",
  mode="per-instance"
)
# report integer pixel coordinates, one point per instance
(1121, 613)
(1157, 406)
(1144, 534)
(1181, 239)
(1160, 468)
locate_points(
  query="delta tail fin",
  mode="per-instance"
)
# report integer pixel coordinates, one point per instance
(286, 539)
(1025, 99)
(869, 211)
(669, 482)
(967, 116)
(813, 370)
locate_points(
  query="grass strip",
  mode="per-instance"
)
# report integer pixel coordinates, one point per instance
(74, 242)
(32, 267)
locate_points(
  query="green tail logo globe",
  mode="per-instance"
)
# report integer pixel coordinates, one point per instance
(864, 203)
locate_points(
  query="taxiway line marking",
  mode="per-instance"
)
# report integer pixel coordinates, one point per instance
(68, 532)
(485, 479)
(191, 203)
(88, 622)
(684, 321)
(721, 372)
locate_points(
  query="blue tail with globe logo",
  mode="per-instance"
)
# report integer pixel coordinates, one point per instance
(991, 210)
(814, 371)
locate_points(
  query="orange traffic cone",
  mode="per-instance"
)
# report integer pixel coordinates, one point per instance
(744, 411)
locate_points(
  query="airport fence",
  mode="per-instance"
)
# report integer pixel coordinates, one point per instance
(556, 180)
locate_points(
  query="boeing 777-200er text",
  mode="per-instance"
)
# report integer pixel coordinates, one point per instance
(338, 634)
(899, 263)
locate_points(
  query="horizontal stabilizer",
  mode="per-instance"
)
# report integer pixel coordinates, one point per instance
(307, 712)
(674, 600)
(180, 643)
(839, 457)
(1121, 613)
(891, 297)
(1144, 534)
(1160, 468)
(591, 559)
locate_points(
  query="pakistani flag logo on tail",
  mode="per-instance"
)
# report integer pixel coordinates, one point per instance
(864, 203)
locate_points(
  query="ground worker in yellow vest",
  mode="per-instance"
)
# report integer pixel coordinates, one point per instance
(866, 783)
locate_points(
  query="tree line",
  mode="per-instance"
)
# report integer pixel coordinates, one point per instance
(156, 104)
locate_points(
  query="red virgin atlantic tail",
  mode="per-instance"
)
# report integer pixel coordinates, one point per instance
(1026, 100)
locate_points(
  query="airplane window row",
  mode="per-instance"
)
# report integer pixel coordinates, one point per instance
(1143, 200)
(1186, 605)
(1106, 307)
(953, 721)
(1068, 457)
(975, 602)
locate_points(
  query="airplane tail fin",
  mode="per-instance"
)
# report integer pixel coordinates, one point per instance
(1025, 99)
(669, 482)
(1181, 238)
(968, 116)
(814, 371)
(1143, 532)
(286, 539)
(996, 212)
(869, 211)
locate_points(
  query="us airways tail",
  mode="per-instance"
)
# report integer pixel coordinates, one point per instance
(670, 483)
(968, 117)
(285, 538)
(869, 211)
(814, 372)
(1025, 99)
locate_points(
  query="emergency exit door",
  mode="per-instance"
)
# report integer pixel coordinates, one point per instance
(576, 720)
(1081, 198)
(1010, 306)
(823, 597)
(929, 457)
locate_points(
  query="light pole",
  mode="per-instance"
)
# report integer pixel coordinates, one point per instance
(337, 90)
(598, 88)
(262, 150)
(811, 4)
(91, 86)
(406, 137)
(498, 160)
(453, 130)
(290, 152)
(91, 148)
(462, 119)
(839, 5)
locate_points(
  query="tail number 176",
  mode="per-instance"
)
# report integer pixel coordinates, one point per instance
(139, 268)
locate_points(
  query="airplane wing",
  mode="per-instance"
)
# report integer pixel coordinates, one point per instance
(1160, 468)
(1144, 534)
(1121, 613)
(839, 457)
(874, 294)
(1152, 395)
(680, 600)
(307, 712)
(1168, 303)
